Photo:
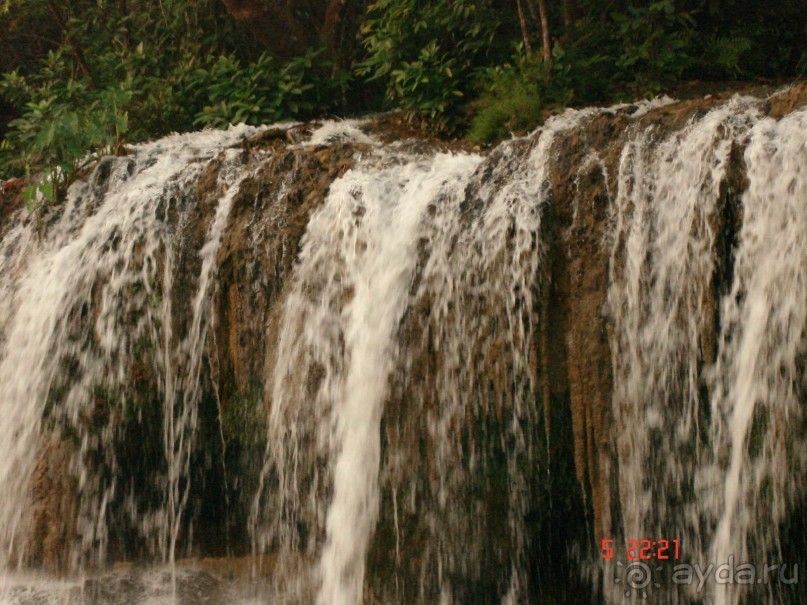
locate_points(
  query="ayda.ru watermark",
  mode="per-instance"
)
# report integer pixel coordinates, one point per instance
(643, 578)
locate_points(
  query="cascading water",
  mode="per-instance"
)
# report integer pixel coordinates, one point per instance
(758, 435)
(669, 363)
(351, 288)
(666, 218)
(433, 422)
(480, 287)
(105, 252)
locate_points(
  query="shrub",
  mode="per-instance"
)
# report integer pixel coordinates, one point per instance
(653, 45)
(512, 101)
(166, 81)
(63, 125)
(259, 92)
(427, 55)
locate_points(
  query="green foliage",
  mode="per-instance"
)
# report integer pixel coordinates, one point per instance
(726, 53)
(801, 68)
(85, 75)
(156, 68)
(514, 98)
(653, 43)
(259, 93)
(63, 125)
(639, 49)
(748, 38)
(427, 55)
(512, 101)
(502, 115)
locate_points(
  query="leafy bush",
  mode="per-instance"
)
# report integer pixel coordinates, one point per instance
(515, 97)
(63, 125)
(725, 53)
(259, 93)
(427, 55)
(636, 51)
(84, 73)
(801, 68)
(153, 72)
(512, 101)
(653, 43)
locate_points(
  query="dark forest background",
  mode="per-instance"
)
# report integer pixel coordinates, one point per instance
(83, 76)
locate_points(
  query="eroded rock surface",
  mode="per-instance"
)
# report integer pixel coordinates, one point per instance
(572, 498)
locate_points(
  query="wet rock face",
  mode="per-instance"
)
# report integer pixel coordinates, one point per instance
(256, 258)
(54, 510)
(117, 440)
(260, 249)
(502, 437)
(10, 200)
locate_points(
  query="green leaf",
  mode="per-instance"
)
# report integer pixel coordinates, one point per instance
(122, 122)
(46, 188)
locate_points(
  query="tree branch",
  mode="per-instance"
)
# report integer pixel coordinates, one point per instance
(124, 19)
(78, 55)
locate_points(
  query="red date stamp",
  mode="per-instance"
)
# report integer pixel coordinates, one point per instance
(643, 549)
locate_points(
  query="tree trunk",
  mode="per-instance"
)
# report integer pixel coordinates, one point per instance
(524, 29)
(546, 45)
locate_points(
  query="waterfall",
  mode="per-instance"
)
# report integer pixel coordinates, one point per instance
(687, 392)
(758, 401)
(310, 364)
(666, 217)
(350, 290)
(104, 251)
(481, 286)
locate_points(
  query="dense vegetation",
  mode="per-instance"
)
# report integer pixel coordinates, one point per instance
(94, 75)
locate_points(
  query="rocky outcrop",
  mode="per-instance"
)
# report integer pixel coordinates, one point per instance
(10, 199)
(573, 501)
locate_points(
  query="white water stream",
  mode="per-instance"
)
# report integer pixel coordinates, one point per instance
(759, 417)
(407, 445)
(107, 246)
